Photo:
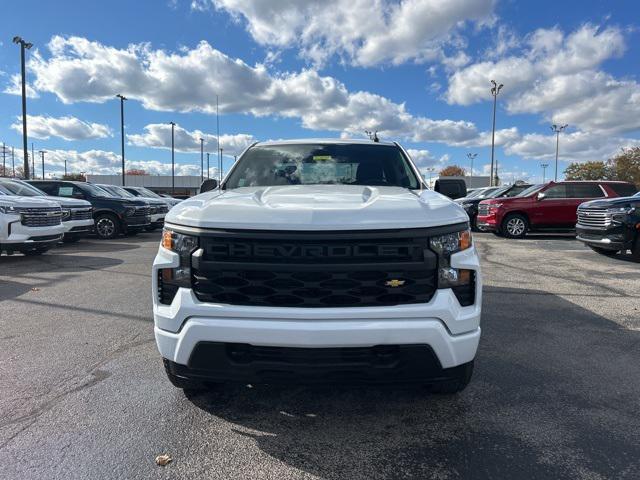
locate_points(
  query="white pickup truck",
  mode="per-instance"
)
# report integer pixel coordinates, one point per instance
(318, 261)
(29, 225)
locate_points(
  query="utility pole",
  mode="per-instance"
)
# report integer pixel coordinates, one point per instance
(495, 90)
(65, 166)
(33, 163)
(24, 45)
(201, 160)
(218, 132)
(471, 157)
(220, 170)
(42, 152)
(13, 163)
(4, 160)
(557, 129)
(122, 99)
(544, 168)
(208, 171)
(173, 159)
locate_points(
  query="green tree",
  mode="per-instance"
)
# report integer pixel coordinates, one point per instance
(587, 171)
(77, 177)
(452, 171)
(626, 165)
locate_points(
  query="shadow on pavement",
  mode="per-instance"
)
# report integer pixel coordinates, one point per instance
(555, 395)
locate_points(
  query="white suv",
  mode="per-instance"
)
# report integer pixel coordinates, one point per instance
(30, 225)
(318, 261)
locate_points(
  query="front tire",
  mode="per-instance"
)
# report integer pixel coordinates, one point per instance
(107, 226)
(457, 384)
(603, 251)
(515, 226)
(180, 382)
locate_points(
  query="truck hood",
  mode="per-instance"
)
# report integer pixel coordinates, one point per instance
(611, 202)
(317, 207)
(70, 202)
(28, 202)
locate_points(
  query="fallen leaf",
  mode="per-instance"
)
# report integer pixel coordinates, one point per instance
(163, 460)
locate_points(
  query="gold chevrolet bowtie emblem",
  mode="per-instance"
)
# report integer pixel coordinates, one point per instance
(394, 283)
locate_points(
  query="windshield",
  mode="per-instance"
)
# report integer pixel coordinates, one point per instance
(531, 190)
(117, 191)
(15, 187)
(486, 193)
(147, 193)
(323, 164)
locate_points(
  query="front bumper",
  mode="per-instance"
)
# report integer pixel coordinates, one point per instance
(158, 219)
(451, 331)
(78, 227)
(15, 235)
(487, 223)
(617, 237)
(136, 222)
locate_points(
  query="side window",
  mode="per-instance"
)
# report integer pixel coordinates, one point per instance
(46, 188)
(78, 193)
(585, 190)
(623, 189)
(65, 191)
(557, 191)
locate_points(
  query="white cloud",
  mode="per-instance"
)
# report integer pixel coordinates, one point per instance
(14, 87)
(574, 146)
(362, 32)
(158, 135)
(67, 128)
(80, 70)
(557, 75)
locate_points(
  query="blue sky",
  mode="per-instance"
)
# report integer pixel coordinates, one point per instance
(418, 71)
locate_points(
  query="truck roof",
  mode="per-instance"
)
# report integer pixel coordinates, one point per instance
(335, 141)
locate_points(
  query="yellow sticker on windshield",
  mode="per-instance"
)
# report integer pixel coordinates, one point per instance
(322, 157)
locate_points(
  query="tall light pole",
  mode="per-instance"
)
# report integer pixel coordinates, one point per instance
(220, 170)
(219, 152)
(13, 163)
(430, 170)
(544, 169)
(33, 162)
(495, 90)
(65, 166)
(471, 157)
(24, 45)
(557, 129)
(208, 172)
(4, 160)
(42, 152)
(122, 99)
(173, 159)
(201, 160)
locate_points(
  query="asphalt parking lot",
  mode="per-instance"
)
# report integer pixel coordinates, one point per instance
(555, 394)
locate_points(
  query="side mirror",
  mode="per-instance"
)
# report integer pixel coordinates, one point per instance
(541, 196)
(208, 185)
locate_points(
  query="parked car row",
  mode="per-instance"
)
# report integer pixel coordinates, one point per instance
(35, 215)
(604, 214)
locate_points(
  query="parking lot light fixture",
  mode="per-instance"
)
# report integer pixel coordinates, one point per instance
(544, 169)
(495, 90)
(557, 129)
(24, 45)
(471, 157)
(208, 171)
(122, 99)
(173, 159)
(42, 152)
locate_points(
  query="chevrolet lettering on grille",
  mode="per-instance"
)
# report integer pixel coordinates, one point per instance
(237, 249)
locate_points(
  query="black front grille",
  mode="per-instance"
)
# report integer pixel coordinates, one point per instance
(81, 214)
(331, 269)
(41, 217)
(142, 211)
(483, 209)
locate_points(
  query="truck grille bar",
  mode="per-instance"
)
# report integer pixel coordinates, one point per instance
(289, 269)
(41, 216)
(594, 218)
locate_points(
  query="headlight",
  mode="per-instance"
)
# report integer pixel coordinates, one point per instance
(129, 211)
(445, 246)
(184, 246)
(620, 214)
(9, 209)
(494, 206)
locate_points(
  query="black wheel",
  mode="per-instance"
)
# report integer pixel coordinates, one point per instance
(70, 239)
(455, 385)
(35, 251)
(180, 382)
(515, 226)
(473, 221)
(635, 250)
(603, 251)
(107, 226)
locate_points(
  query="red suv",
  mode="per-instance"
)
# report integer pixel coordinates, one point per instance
(550, 206)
